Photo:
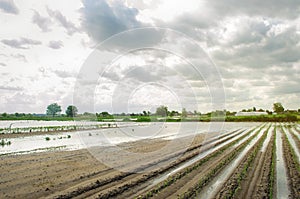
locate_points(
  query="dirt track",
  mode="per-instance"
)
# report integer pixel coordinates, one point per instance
(77, 174)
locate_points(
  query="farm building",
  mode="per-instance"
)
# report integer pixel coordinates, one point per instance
(250, 113)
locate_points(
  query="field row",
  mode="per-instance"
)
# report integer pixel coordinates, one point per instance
(257, 162)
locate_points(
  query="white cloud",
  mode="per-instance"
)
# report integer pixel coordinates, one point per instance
(55, 44)
(42, 22)
(63, 21)
(45, 44)
(22, 43)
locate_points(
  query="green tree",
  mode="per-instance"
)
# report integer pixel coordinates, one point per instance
(196, 112)
(4, 114)
(71, 111)
(277, 107)
(104, 114)
(145, 113)
(162, 111)
(184, 112)
(174, 113)
(53, 109)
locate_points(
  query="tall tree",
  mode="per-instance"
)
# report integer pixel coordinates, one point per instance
(162, 111)
(145, 113)
(71, 111)
(53, 109)
(277, 107)
(184, 112)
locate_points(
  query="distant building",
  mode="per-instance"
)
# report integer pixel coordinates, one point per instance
(253, 113)
(191, 115)
(112, 120)
(133, 119)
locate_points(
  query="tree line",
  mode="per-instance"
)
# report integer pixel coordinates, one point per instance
(54, 110)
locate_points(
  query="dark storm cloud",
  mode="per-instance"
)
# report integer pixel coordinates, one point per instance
(2, 64)
(63, 21)
(102, 20)
(265, 52)
(42, 22)
(22, 43)
(9, 6)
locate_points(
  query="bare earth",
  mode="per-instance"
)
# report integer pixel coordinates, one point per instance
(131, 170)
(58, 172)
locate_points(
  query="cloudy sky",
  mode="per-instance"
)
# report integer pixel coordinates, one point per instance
(133, 55)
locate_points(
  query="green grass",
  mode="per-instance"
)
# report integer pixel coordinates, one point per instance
(264, 118)
(153, 118)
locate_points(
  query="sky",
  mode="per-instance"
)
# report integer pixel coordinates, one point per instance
(135, 55)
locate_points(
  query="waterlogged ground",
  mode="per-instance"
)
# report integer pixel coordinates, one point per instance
(125, 132)
(34, 123)
(157, 160)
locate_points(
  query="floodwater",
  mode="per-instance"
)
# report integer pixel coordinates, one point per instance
(281, 177)
(296, 133)
(268, 138)
(213, 187)
(125, 132)
(199, 157)
(292, 142)
(34, 123)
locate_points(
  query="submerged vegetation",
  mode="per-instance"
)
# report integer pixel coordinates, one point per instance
(54, 128)
(61, 137)
(4, 142)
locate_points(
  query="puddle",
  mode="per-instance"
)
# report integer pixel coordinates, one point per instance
(292, 142)
(200, 156)
(296, 133)
(34, 123)
(268, 138)
(39, 143)
(281, 177)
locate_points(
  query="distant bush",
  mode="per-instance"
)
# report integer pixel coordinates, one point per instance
(263, 118)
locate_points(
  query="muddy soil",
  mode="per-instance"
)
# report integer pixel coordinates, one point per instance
(293, 168)
(259, 183)
(233, 186)
(60, 172)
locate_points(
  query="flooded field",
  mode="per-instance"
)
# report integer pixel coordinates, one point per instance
(105, 136)
(155, 160)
